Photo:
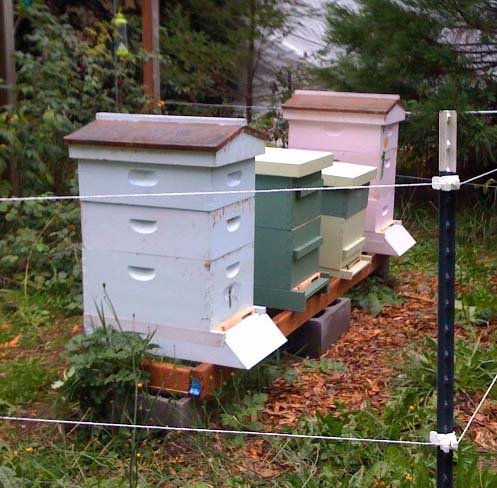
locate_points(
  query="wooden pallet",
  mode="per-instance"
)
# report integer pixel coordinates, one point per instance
(205, 379)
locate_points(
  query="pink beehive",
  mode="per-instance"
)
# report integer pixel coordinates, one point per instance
(358, 128)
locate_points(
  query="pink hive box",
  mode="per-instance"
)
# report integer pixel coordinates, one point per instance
(359, 128)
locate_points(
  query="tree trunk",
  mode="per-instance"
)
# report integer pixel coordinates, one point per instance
(8, 77)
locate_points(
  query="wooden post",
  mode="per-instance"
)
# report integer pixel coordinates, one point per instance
(7, 47)
(150, 40)
(8, 78)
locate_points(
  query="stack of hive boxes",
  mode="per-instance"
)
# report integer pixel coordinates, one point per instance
(287, 233)
(343, 217)
(182, 265)
(358, 128)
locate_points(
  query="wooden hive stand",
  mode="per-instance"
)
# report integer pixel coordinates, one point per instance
(203, 380)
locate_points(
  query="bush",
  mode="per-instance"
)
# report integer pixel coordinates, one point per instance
(103, 374)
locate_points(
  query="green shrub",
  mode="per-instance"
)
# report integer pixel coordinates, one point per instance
(104, 375)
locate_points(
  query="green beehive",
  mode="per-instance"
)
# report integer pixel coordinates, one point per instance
(342, 220)
(287, 232)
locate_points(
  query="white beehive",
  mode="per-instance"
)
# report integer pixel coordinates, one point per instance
(179, 265)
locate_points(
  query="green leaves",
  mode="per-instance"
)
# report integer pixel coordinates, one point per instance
(104, 369)
(325, 365)
(244, 415)
(372, 294)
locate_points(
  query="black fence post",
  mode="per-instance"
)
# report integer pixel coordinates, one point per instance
(446, 290)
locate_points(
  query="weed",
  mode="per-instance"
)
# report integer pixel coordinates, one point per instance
(373, 295)
(244, 415)
(475, 366)
(103, 375)
(325, 365)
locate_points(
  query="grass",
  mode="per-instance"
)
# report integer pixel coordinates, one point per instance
(24, 380)
(39, 455)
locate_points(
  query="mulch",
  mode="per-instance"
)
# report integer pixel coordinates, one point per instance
(373, 351)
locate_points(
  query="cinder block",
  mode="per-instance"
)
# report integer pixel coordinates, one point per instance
(175, 412)
(315, 337)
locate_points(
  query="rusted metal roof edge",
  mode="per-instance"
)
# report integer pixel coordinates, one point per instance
(315, 108)
(70, 140)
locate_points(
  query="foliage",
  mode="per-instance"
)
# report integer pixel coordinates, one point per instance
(103, 374)
(325, 365)
(63, 78)
(373, 295)
(346, 464)
(212, 50)
(433, 56)
(244, 415)
(40, 251)
(198, 61)
(475, 366)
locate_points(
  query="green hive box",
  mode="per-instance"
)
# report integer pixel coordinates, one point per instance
(287, 232)
(289, 209)
(285, 258)
(343, 216)
(344, 203)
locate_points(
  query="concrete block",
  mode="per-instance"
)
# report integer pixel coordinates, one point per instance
(315, 337)
(175, 412)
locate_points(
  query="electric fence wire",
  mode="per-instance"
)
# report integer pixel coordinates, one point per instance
(279, 107)
(229, 192)
(475, 413)
(201, 193)
(475, 185)
(200, 430)
(488, 173)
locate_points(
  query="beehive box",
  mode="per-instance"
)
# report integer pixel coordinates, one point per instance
(358, 128)
(288, 227)
(168, 291)
(342, 220)
(178, 265)
(168, 232)
(284, 258)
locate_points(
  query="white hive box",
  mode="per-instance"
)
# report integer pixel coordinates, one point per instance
(178, 266)
(359, 128)
(142, 154)
(169, 291)
(168, 232)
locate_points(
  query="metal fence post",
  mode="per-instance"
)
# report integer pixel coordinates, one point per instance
(446, 292)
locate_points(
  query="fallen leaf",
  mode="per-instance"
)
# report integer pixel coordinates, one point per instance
(76, 329)
(12, 343)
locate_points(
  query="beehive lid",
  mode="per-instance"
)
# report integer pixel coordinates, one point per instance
(159, 134)
(348, 174)
(292, 163)
(330, 101)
